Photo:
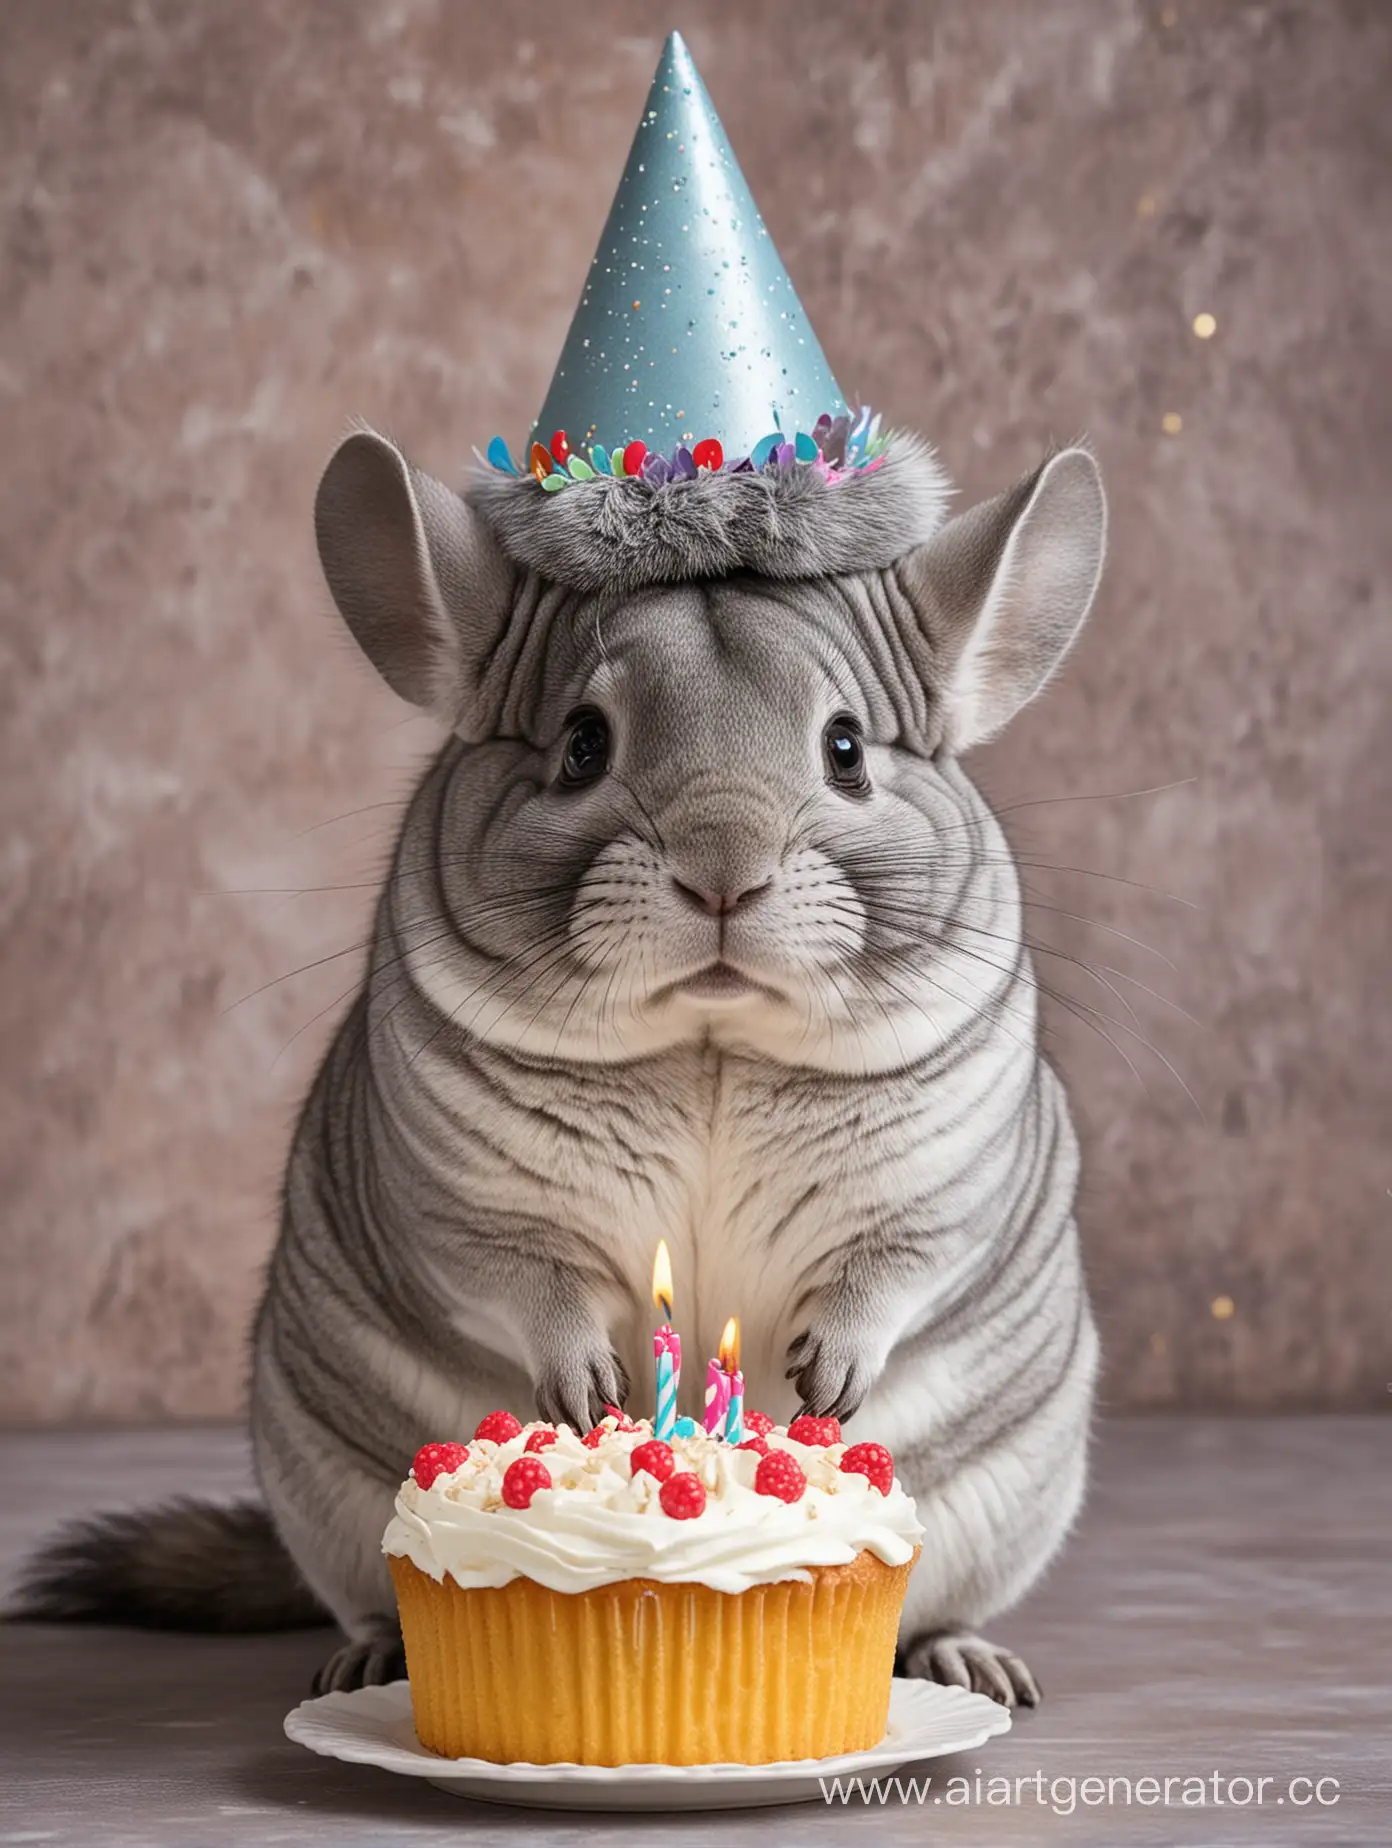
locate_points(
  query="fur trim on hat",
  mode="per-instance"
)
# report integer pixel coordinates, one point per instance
(781, 522)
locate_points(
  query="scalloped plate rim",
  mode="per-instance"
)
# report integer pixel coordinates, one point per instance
(926, 1721)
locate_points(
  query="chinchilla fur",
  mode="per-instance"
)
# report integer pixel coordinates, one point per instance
(696, 928)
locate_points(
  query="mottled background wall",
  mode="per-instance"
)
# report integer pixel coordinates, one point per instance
(228, 226)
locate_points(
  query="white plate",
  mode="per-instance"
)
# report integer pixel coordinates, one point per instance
(373, 1727)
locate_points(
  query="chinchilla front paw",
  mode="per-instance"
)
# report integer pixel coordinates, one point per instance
(576, 1380)
(832, 1369)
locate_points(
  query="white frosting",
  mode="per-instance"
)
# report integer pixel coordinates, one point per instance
(600, 1522)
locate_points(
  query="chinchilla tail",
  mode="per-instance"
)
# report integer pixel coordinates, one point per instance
(183, 1565)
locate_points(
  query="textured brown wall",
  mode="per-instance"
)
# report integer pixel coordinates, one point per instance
(228, 227)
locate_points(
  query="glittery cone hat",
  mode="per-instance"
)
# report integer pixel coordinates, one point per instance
(689, 325)
(689, 331)
(691, 392)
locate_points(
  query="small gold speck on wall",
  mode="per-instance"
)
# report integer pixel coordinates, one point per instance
(1159, 1344)
(1223, 1308)
(1146, 206)
(1172, 423)
(1205, 325)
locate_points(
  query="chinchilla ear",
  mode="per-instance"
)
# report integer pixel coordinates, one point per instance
(1002, 591)
(416, 575)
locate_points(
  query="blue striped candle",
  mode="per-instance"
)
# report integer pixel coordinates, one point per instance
(666, 1347)
(667, 1354)
(734, 1417)
(727, 1390)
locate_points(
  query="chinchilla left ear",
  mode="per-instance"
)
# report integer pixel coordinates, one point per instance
(416, 575)
(1002, 591)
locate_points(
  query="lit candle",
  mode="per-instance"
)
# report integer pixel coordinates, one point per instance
(666, 1348)
(729, 1360)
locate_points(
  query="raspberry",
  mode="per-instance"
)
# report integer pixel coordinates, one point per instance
(540, 1440)
(759, 1443)
(683, 1496)
(780, 1474)
(434, 1460)
(500, 1427)
(655, 1457)
(873, 1462)
(592, 1437)
(521, 1480)
(759, 1423)
(622, 1421)
(809, 1430)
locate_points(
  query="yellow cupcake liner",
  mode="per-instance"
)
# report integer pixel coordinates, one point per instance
(645, 1673)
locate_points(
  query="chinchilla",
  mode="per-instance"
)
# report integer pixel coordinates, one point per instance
(695, 929)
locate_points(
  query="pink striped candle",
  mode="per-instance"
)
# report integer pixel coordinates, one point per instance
(717, 1398)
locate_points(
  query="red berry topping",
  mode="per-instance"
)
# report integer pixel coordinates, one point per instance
(500, 1427)
(872, 1461)
(622, 1421)
(633, 456)
(540, 1440)
(683, 1496)
(755, 1443)
(780, 1474)
(521, 1480)
(809, 1430)
(655, 1457)
(708, 453)
(592, 1437)
(759, 1423)
(434, 1460)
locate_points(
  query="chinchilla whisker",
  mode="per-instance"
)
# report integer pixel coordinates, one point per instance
(934, 977)
(850, 1012)
(374, 974)
(903, 864)
(1165, 1000)
(450, 1021)
(319, 962)
(865, 989)
(605, 1003)
(1111, 795)
(562, 955)
(581, 991)
(876, 909)
(657, 840)
(1092, 872)
(367, 808)
(1074, 1003)
(539, 956)
(1077, 917)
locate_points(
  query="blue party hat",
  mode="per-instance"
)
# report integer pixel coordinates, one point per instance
(689, 349)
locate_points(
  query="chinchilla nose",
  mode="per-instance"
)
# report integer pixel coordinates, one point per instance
(719, 904)
(722, 858)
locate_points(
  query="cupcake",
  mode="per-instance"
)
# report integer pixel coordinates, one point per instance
(615, 1599)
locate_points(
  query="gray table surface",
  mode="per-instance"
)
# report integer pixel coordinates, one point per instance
(1225, 1606)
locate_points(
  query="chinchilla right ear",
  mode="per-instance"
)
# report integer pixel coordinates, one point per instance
(1002, 591)
(417, 576)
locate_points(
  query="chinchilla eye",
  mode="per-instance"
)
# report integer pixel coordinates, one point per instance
(587, 748)
(845, 754)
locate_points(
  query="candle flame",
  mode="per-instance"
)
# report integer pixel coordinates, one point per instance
(662, 1280)
(729, 1346)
